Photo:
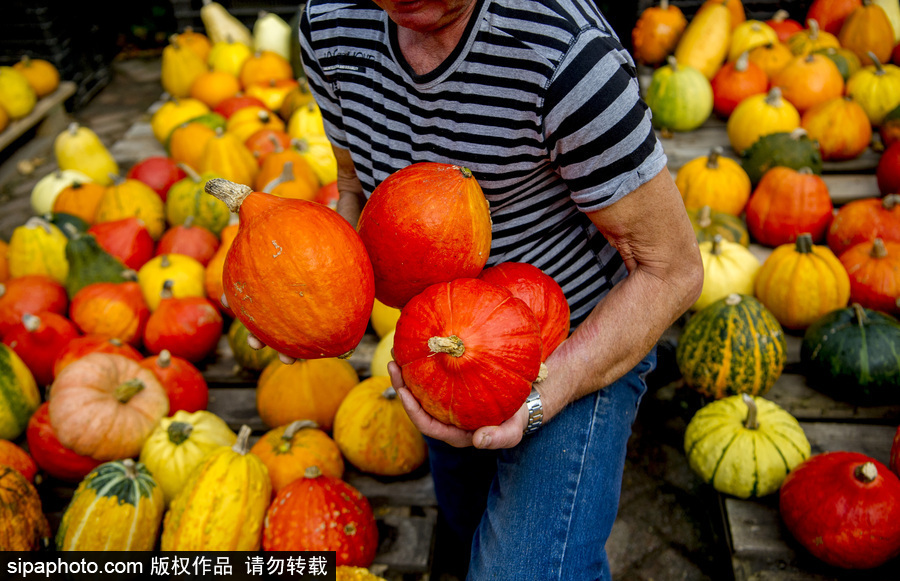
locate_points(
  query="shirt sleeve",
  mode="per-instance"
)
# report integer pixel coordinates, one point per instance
(597, 127)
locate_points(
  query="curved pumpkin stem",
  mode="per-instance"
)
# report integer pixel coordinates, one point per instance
(742, 62)
(664, 4)
(813, 25)
(452, 345)
(296, 426)
(866, 473)
(859, 313)
(672, 62)
(751, 423)
(127, 390)
(190, 172)
(38, 222)
(287, 175)
(773, 97)
(242, 445)
(879, 69)
(179, 432)
(889, 201)
(704, 218)
(229, 192)
(72, 128)
(804, 243)
(780, 15)
(166, 292)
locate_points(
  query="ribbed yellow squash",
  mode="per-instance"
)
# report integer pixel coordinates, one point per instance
(877, 90)
(38, 247)
(748, 35)
(715, 181)
(223, 503)
(79, 148)
(704, 43)
(117, 507)
(180, 68)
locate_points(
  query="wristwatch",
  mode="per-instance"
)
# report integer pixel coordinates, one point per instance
(535, 412)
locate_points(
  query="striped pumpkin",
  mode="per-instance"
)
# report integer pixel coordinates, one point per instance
(117, 507)
(733, 346)
(222, 505)
(19, 395)
(744, 446)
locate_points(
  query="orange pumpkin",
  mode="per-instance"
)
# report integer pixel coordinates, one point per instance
(247, 121)
(863, 221)
(874, 271)
(189, 240)
(104, 406)
(266, 140)
(213, 87)
(188, 327)
(263, 67)
(15, 457)
(43, 76)
(273, 165)
(809, 80)
(812, 39)
(187, 142)
(868, 29)
(111, 309)
(93, 343)
(306, 292)
(33, 293)
(287, 451)
(196, 41)
(656, 33)
(830, 14)
(771, 57)
(23, 526)
(212, 281)
(80, 199)
(841, 127)
(787, 203)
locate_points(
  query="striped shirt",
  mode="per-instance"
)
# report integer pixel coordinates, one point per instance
(539, 99)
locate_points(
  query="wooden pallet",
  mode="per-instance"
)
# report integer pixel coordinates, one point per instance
(44, 107)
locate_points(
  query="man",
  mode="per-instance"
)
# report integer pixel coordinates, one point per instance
(541, 102)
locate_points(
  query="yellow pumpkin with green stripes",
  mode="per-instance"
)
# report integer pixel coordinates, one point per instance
(117, 507)
(19, 395)
(222, 505)
(744, 446)
(733, 346)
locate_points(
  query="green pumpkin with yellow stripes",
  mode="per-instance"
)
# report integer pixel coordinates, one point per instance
(733, 346)
(117, 507)
(19, 395)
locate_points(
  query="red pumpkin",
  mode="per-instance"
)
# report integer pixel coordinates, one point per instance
(188, 327)
(328, 195)
(787, 203)
(228, 106)
(424, 224)
(541, 293)
(734, 82)
(38, 339)
(830, 14)
(887, 173)
(111, 309)
(863, 221)
(306, 292)
(895, 453)
(322, 513)
(184, 384)
(843, 507)
(33, 293)
(190, 240)
(15, 457)
(783, 25)
(158, 172)
(874, 270)
(49, 453)
(267, 140)
(127, 239)
(457, 341)
(87, 344)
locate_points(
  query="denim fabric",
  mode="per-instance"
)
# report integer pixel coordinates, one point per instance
(544, 509)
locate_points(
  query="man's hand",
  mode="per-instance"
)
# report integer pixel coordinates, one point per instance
(254, 341)
(506, 435)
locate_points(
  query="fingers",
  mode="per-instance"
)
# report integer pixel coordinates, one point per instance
(255, 343)
(395, 375)
(223, 300)
(429, 426)
(506, 435)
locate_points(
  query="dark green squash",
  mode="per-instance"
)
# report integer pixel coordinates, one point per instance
(794, 150)
(60, 219)
(708, 223)
(735, 345)
(853, 354)
(90, 263)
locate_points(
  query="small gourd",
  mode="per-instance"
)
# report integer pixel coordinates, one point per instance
(709, 223)
(180, 68)
(679, 96)
(79, 148)
(287, 451)
(716, 181)
(23, 526)
(38, 247)
(728, 268)
(760, 115)
(876, 88)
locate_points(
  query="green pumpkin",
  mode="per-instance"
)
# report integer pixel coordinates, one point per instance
(744, 446)
(117, 507)
(853, 354)
(245, 356)
(708, 223)
(789, 149)
(187, 198)
(733, 346)
(90, 263)
(680, 97)
(19, 395)
(60, 219)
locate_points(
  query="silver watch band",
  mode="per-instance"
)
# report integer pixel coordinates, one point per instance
(535, 412)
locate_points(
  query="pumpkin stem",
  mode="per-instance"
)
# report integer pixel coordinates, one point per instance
(179, 432)
(806, 171)
(664, 4)
(866, 473)
(742, 62)
(242, 445)
(296, 426)
(128, 389)
(2, 289)
(130, 468)
(804, 243)
(451, 345)
(466, 172)
(229, 192)
(813, 25)
(889, 201)
(543, 372)
(165, 358)
(117, 180)
(859, 313)
(704, 218)
(189, 221)
(116, 341)
(164, 262)
(166, 292)
(878, 249)
(31, 322)
(287, 175)
(712, 161)
(673, 64)
(733, 299)
(798, 133)
(346, 355)
(191, 172)
(312, 472)
(780, 15)
(751, 423)
(879, 69)
(72, 128)
(716, 249)
(389, 393)
(38, 222)
(773, 98)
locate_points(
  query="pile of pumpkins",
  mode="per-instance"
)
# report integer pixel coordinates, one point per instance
(22, 85)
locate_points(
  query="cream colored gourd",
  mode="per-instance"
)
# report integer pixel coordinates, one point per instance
(46, 190)
(17, 97)
(382, 355)
(704, 43)
(222, 26)
(79, 148)
(728, 267)
(271, 32)
(38, 247)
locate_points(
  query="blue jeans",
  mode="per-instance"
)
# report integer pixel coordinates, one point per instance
(544, 509)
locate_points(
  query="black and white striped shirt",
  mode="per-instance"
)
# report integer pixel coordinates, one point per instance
(539, 100)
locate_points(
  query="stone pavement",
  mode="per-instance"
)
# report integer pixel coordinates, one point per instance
(668, 527)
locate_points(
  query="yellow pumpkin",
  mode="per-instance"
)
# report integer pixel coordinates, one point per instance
(715, 181)
(704, 43)
(173, 113)
(38, 247)
(309, 389)
(79, 148)
(222, 505)
(226, 156)
(867, 30)
(728, 268)
(186, 273)
(179, 443)
(229, 56)
(318, 153)
(760, 115)
(382, 355)
(127, 198)
(248, 120)
(180, 68)
(800, 282)
(374, 432)
(811, 39)
(306, 121)
(748, 35)
(877, 89)
(16, 96)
